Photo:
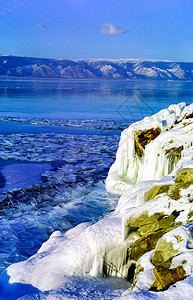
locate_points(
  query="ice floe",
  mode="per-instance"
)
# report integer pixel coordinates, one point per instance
(86, 124)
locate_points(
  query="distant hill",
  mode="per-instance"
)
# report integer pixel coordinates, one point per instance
(95, 68)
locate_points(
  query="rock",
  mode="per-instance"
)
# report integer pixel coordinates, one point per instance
(164, 277)
(160, 213)
(156, 190)
(164, 251)
(144, 137)
(169, 262)
(184, 178)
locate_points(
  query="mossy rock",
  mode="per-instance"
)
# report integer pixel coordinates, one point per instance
(174, 192)
(179, 238)
(163, 252)
(190, 215)
(164, 277)
(137, 222)
(156, 190)
(143, 245)
(156, 222)
(150, 229)
(143, 137)
(146, 224)
(138, 269)
(184, 178)
(169, 221)
(144, 219)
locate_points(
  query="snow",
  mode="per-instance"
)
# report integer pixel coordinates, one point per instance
(149, 72)
(79, 251)
(123, 60)
(177, 71)
(181, 290)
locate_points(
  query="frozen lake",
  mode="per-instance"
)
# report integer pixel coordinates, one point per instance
(58, 139)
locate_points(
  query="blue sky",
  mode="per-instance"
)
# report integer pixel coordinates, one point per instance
(72, 29)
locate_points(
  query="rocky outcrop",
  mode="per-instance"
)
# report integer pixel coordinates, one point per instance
(161, 212)
(169, 262)
(154, 211)
(151, 148)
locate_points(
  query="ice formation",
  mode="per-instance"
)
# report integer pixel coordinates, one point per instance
(151, 148)
(148, 239)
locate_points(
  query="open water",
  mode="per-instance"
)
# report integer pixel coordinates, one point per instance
(58, 139)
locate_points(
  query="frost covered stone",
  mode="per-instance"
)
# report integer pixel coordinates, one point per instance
(170, 262)
(151, 148)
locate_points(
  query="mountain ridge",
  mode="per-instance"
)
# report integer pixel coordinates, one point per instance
(130, 68)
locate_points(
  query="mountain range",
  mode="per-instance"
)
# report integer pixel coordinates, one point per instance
(15, 66)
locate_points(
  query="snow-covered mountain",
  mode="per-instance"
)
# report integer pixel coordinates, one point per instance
(95, 68)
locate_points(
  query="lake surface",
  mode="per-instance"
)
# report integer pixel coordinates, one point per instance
(87, 99)
(57, 141)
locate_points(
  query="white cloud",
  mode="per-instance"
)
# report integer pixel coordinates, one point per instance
(111, 29)
(40, 26)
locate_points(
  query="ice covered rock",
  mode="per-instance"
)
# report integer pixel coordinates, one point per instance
(150, 209)
(151, 148)
(169, 262)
